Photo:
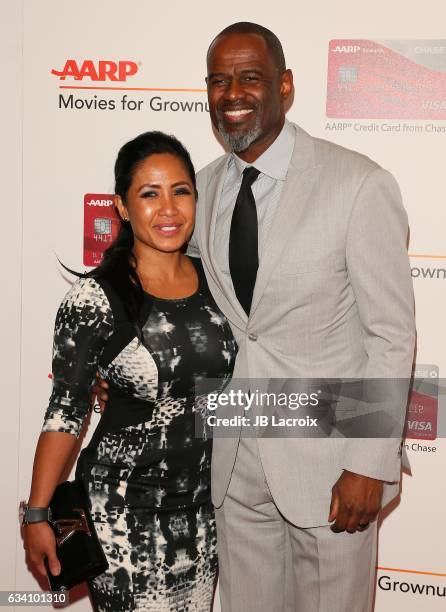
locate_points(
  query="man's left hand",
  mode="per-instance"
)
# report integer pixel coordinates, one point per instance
(355, 502)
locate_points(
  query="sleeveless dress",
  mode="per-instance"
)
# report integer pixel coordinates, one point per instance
(146, 468)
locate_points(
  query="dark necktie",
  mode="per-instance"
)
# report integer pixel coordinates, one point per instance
(243, 241)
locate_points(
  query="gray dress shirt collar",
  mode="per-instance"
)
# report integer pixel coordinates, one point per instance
(275, 160)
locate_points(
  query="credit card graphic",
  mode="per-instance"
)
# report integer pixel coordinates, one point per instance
(421, 421)
(388, 79)
(101, 226)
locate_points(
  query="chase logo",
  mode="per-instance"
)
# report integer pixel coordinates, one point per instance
(97, 71)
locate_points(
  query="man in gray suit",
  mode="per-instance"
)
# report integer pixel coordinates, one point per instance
(305, 253)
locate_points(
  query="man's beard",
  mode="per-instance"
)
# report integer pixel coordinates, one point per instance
(238, 142)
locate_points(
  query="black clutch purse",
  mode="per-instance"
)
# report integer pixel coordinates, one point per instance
(78, 548)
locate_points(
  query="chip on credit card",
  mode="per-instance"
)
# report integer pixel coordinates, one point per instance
(388, 79)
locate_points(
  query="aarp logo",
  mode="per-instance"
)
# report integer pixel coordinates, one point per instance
(97, 71)
(346, 49)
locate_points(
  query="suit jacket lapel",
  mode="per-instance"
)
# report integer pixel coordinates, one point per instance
(230, 304)
(301, 178)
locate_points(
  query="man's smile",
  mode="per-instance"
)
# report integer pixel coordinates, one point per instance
(238, 115)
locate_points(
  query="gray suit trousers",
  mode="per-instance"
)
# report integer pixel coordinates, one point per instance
(269, 565)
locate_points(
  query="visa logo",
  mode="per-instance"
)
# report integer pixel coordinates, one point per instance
(419, 425)
(101, 70)
(346, 49)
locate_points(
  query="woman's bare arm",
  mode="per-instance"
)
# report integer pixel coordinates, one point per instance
(52, 453)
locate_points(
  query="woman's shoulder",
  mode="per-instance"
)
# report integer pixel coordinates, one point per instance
(86, 291)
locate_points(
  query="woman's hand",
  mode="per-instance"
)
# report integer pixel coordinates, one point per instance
(99, 392)
(40, 543)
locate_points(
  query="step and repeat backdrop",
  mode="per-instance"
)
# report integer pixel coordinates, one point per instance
(97, 73)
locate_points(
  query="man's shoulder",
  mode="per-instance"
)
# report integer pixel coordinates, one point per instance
(331, 154)
(329, 151)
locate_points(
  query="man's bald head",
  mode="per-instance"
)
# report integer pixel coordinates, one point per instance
(272, 42)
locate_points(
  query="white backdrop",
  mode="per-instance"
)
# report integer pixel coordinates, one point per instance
(68, 152)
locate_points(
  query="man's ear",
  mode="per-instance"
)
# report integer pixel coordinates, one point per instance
(286, 84)
(122, 210)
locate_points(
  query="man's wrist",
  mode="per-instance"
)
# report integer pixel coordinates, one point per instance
(362, 475)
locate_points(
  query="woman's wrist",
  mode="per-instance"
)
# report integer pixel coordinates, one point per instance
(34, 514)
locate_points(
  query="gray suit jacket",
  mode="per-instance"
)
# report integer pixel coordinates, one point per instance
(333, 298)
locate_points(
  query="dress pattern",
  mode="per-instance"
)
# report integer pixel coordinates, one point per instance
(146, 470)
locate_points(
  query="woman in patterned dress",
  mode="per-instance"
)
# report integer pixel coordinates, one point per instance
(146, 320)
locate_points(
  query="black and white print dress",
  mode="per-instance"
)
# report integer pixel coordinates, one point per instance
(146, 471)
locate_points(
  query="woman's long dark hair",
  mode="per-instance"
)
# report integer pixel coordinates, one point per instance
(118, 266)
